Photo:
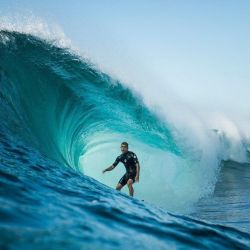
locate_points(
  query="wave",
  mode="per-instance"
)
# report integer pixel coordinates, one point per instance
(61, 104)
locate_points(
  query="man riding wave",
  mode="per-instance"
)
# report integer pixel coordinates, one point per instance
(131, 163)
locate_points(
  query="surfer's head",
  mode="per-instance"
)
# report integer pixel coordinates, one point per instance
(124, 147)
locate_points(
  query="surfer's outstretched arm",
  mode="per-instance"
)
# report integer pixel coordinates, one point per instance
(108, 169)
(113, 165)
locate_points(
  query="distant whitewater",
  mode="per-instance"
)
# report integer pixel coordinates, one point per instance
(62, 121)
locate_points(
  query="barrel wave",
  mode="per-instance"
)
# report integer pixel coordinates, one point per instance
(62, 100)
(62, 121)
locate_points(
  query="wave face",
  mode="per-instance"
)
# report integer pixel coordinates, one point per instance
(60, 114)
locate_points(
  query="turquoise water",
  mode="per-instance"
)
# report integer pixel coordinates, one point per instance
(62, 122)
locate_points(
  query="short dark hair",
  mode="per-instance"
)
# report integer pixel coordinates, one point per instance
(125, 144)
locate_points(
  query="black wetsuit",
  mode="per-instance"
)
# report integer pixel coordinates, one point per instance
(129, 159)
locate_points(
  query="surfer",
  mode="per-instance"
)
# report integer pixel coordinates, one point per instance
(131, 163)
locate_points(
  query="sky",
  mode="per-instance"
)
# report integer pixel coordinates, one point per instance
(198, 50)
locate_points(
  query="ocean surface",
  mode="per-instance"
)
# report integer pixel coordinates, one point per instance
(62, 121)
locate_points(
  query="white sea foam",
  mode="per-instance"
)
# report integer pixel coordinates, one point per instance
(30, 24)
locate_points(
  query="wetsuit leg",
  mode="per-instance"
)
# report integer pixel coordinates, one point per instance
(132, 176)
(124, 179)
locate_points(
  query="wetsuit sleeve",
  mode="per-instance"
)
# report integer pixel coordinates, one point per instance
(116, 161)
(135, 158)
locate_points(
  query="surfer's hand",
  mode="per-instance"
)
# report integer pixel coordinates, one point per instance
(103, 171)
(137, 179)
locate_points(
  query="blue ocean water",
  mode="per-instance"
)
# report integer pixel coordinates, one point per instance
(56, 108)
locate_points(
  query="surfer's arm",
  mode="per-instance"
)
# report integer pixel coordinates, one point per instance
(109, 168)
(137, 164)
(137, 171)
(113, 165)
